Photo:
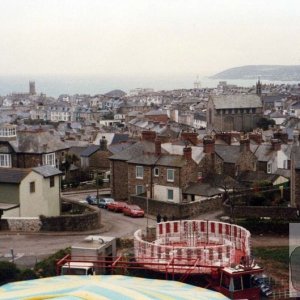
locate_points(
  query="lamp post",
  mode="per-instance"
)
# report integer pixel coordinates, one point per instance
(147, 211)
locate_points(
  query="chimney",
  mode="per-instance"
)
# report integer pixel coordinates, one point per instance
(224, 136)
(187, 152)
(281, 136)
(148, 135)
(103, 144)
(244, 144)
(276, 144)
(190, 136)
(255, 136)
(208, 145)
(157, 147)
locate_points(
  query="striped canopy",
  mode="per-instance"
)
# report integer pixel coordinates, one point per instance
(104, 287)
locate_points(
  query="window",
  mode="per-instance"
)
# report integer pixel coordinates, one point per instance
(285, 164)
(139, 189)
(5, 160)
(156, 172)
(52, 181)
(139, 172)
(170, 175)
(32, 187)
(269, 168)
(170, 195)
(49, 159)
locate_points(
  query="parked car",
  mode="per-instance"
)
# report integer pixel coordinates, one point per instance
(91, 199)
(133, 211)
(116, 206)
(103, 202)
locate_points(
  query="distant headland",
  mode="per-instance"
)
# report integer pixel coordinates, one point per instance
(267, 72)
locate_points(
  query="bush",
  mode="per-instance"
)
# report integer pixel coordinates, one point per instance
(47, 267)
(8, 272)
(27, 274)
(265, 226)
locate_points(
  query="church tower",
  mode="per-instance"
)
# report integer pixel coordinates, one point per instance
(258, 87)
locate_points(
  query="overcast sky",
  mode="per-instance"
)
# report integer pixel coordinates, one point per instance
(132, 37)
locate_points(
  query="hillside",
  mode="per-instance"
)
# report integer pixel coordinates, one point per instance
(267, 72)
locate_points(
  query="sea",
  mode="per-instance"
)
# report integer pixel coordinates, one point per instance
(55, 85)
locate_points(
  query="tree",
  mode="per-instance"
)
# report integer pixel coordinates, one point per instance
(264, 123)
(8, 272)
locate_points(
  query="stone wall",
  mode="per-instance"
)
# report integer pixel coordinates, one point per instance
(89, 219)
(274, 212)
(177, 210)
(30, 224)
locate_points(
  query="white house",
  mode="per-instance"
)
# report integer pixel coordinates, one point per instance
(30, 192)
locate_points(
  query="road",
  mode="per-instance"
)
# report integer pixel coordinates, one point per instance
(32, 247)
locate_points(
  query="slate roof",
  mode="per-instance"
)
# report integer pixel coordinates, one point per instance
(156, 113)
(37, 141)
(13, 175)
(252, 176)
(236, 101)
(135, 150)
(87, 152)
(228, 154)
(171, 161)
(144, 159)
(120, 138)
(47, 171)
(202, 189)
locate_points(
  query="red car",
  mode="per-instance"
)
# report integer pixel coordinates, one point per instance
(133, 211)
(116, 206)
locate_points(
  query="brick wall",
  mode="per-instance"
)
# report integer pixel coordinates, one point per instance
(177, 210)
(133, 181)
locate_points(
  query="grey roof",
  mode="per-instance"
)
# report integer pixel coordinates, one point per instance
(252, 176)
(13, 175)
(37, 141)
(202, 189)
(171, 161)
(47, 171)
(116, 148)
(135, 150)
(229, 154)
(119, 138)
(236, 101)
(155, 113)
(145, 159)
(87, 152)
(264, 152)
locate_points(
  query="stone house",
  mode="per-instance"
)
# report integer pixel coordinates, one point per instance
(233, 112)
(236, 158)
(31, 147)
(30, 192)
(148, 167)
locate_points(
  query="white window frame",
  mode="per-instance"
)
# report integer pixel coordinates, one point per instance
(139, 172)
(137, 187)
(170, 199)
(156, 172)
(5, 160)
(49, 159)
(172, 177)
(285, 164)
(269, 167)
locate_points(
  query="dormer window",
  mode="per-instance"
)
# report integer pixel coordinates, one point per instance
(5, 160)
(49, 159)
